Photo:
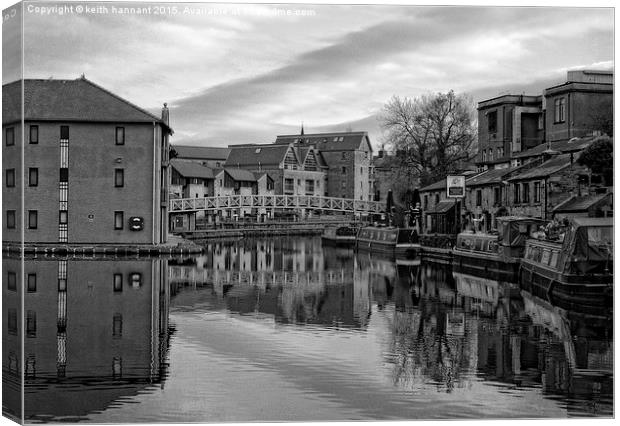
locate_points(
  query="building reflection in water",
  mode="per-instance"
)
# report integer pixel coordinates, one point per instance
(454, 330)
(94, 331)
(295, 280)
(99, 329)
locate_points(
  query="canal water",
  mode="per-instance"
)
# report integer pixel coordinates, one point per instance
(289, 330)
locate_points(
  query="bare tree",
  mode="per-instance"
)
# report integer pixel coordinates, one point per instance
(432, 135)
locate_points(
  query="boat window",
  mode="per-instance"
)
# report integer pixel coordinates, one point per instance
(478, 246)
(600, 236)
(546, 254)
(554, 259)
(493, 246)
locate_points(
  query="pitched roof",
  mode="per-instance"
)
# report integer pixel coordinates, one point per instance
(572, 145)
(201, 152)
(241, 175)
(343, 141)
(547, 168)
(576, 204)
(252, 155)
(488, 176)
(69, 100)
(440, 184)
(303, 154)
(192, 170)
(443, 206)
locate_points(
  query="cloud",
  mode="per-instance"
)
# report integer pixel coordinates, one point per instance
(247, 77)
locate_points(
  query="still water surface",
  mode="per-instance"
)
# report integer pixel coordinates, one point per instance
(285, 329)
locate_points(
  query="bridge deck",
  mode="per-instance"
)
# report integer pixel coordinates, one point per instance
(279, 202)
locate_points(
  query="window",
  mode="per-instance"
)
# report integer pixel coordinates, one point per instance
(34, 134)
(537, 192)
(10, 178)
(12, 281)
(498, 195)
(31, 324)
(136, 279)
(64, 132)
(526, 192)
(33, 218)
(560, 110)
(10, 219)
(289, 186)
(344, 170)
(344, 156)
(361, 170)
(64, 174)
(425, 202)
(12, 321)
(120, 136)
(33, 176)
(118, 220)
(63, 217)
(492, 121)
(490, 154)
(9, 134)
(118, 282)
(309, 186)
(484, 155)
(32, 283)
(517, 193)
(479, 197)
(117, 326)
(62, 284)
(119, 178)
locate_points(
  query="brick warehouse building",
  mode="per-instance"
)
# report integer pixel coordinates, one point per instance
(94, 164)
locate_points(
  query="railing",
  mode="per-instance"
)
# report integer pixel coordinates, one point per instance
(279, 202)
(261, 279)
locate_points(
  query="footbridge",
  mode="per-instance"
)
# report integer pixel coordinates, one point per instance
(274, 202)
(261, 279)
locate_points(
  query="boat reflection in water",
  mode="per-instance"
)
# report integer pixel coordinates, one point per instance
(94, 332)
(285, 329)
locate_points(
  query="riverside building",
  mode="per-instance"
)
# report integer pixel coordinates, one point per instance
(92, 167)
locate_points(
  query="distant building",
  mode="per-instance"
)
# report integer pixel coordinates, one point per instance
(537, 191)
(295, 170)
(95, 165)
(508, 124)
(214, 157)
(581, 106)
(190, 180)
(384, 170)
(347, 156)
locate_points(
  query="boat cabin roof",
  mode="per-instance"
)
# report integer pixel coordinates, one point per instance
(590, 222)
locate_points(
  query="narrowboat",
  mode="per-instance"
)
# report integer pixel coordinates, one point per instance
(575, 270)
(341, 236)
(401, 243)
(496, 255)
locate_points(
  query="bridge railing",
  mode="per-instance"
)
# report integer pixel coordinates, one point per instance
(286, 202)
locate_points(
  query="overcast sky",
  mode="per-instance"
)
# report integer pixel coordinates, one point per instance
(245, 78)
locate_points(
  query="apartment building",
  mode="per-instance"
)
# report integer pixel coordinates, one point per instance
(95, 165)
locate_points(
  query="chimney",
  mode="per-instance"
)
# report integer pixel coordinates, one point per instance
(165, 115)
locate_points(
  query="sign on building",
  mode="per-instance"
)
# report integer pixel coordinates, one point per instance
(455, 186)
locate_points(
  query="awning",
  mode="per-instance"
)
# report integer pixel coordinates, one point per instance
(443, 207)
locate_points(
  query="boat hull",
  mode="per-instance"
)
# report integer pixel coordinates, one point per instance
(585, 294)
(492, 266)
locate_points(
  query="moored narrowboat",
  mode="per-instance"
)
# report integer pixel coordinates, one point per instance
(401, 243)
(340, 236)
(496, 255)
(574, 271)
